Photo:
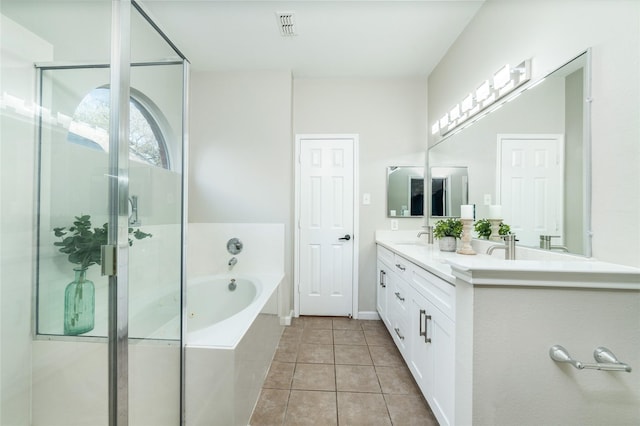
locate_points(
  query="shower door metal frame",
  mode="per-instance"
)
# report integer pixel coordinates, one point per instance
(117, 239)
(118, 206)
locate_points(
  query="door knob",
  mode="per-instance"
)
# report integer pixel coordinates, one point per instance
(345, 238)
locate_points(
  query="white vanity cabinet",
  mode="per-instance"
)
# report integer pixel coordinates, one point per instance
(458, 311)
(419, 312)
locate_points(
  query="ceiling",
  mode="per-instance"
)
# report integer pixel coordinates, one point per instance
(356, 38)
(334, 38)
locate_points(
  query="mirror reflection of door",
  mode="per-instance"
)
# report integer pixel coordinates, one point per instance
(438, 196)
(531, 190)
(449, 190)
(416, 198)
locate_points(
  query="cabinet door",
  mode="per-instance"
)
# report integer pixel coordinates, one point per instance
(381, 292)
(421, 364)
(432, 356)
(398, 305)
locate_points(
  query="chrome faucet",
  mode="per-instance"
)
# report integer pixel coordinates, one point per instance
(509, 247)
(545, 243)
(232, 262)
(428, 232)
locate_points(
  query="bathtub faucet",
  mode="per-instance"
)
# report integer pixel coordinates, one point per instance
(232, 262)
(232, 284)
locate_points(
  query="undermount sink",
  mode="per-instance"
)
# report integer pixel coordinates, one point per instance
(410, 243)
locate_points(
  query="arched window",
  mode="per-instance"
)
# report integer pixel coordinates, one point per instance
(90, 127)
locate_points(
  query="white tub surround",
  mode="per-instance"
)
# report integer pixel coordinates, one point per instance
(505, 315)
(227, 360)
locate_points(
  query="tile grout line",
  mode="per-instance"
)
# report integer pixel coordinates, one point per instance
(335, 374)
(386, 406)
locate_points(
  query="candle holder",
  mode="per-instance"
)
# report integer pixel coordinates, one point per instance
(466, 248)
(495, 230)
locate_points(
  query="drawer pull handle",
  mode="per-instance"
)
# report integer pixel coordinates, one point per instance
(382, 275)
(397, 293)
(398, 333)
(426, 339)
(399, 266)
(422, 333)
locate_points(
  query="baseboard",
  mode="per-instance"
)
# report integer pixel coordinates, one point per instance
(287, 319)
(368, 315)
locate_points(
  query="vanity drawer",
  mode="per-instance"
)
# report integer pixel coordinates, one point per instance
(386, 255)
(439, 292)
(400, 297)
(402, 267)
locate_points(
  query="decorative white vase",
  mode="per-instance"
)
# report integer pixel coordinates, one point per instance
(447, 243)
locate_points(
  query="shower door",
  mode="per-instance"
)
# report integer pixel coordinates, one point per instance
(110, 204)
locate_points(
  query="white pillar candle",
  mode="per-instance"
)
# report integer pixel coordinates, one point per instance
(495, 211)
(466, 211)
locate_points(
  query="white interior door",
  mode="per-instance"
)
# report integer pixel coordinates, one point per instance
(530, 177)
(325, 249)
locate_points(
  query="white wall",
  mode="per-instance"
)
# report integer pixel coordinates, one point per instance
(389, 115)
(552, 32)
(20, 49)
(241, 153)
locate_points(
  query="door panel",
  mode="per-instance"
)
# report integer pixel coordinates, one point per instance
(530, 185)
(326, 241)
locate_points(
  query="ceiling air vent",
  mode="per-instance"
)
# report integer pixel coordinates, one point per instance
(286, 23)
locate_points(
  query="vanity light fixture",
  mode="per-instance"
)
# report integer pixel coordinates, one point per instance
(454, 114)
(444, 121)
(483, 91)
(467, 103)
(503, 82)
(502, 77)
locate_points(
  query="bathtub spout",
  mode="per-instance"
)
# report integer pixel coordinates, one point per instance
(232, 262)
(232, 284)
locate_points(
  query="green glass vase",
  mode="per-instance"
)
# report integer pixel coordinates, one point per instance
(79, 304)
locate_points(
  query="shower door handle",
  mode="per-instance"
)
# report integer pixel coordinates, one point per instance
(108, 260)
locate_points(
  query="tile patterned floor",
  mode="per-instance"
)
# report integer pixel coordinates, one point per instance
(339, 371)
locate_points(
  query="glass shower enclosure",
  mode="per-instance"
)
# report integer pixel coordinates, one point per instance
(108, 111)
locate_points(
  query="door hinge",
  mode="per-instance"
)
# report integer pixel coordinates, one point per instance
(108, 260)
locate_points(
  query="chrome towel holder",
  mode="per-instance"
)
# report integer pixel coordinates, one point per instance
(605, 359)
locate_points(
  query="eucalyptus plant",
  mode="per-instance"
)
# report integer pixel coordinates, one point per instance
(450, 227)
(82, 243)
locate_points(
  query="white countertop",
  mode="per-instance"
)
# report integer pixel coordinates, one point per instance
(550, 270)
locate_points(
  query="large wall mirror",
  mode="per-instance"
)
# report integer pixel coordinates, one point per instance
(405, 191)
(532, 156)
